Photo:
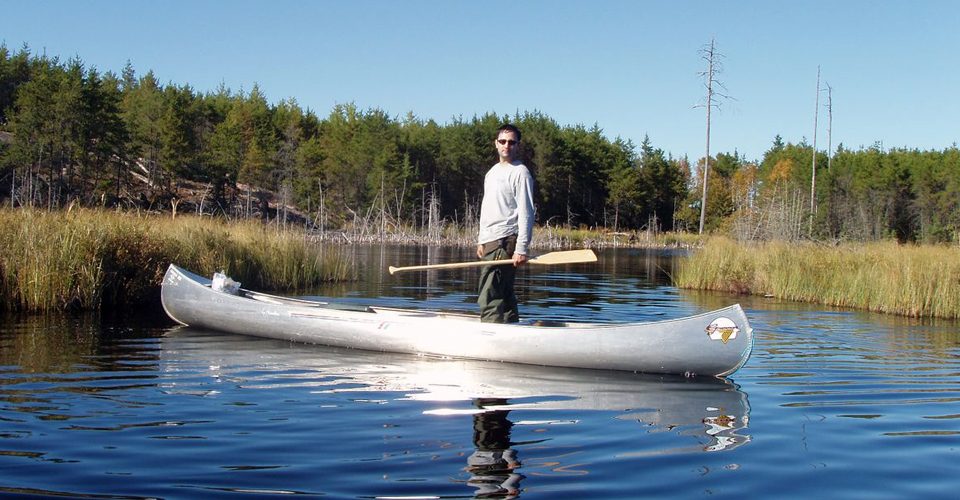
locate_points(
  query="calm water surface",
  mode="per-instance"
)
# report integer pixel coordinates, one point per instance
(833, 403)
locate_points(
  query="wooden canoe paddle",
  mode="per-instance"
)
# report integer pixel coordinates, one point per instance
(552, 258)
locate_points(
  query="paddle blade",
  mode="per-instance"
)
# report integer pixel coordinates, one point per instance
(565, 257)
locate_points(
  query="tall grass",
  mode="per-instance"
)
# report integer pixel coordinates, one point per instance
(919, 281)
(86, 259)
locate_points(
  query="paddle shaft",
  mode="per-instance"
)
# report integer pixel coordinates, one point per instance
(568, 257)
(455, 265)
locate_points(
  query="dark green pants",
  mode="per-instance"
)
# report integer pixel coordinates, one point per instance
(497, 299)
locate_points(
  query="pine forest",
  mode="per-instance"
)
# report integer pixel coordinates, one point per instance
(72, 136)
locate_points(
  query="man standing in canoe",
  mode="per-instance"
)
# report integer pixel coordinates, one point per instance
(506, 227)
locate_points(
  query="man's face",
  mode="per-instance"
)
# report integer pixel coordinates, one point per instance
(506, 144)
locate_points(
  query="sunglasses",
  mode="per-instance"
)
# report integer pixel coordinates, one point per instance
(506, 141)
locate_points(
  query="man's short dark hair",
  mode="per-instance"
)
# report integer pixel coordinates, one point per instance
(508, 127)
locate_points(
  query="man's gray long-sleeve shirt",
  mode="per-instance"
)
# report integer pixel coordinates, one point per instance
(507, 206)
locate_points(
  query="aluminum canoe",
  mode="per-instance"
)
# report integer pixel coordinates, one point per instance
(715, 343)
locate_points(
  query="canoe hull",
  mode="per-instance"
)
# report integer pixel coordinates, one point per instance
(715, 343)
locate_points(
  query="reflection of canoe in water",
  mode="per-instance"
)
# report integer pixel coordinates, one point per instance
(715, 343)
(713, 410)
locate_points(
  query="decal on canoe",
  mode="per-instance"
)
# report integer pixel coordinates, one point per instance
(722, 329)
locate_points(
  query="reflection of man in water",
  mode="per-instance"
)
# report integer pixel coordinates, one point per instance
(493, 464)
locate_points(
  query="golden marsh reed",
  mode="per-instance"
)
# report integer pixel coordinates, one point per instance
(910, 280)
(86, 259)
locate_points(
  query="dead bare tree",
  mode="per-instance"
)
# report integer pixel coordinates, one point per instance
(434, 224)
(829, 126)
(813, 168)
(709, 53)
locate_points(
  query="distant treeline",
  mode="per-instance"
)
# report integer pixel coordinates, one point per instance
(69, 134)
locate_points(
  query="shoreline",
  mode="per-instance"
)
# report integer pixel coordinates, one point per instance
(88, 259)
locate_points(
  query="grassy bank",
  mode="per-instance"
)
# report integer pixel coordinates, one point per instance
(87, 259)
(920, 281)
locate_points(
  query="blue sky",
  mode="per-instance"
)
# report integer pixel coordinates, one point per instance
(630, 67)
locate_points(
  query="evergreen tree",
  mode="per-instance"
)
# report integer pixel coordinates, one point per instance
(177, 144)
(625, 191)
(253, 118)
(104, 137)
(664, 185)
(143, 110)
(14, 72)
(41, 127)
